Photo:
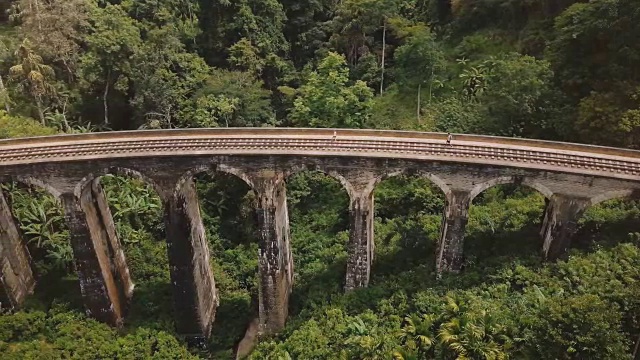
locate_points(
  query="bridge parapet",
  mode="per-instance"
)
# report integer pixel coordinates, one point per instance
(531, 154)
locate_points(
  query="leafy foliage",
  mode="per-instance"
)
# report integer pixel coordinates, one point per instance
(13, 126)
(59, 333)
(561, 70)
(327, 101)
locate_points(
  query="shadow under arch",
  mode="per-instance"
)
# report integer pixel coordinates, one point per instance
(334, 174)
(211, 170)
(318, 208)
(409, 208)
(226, 204)
(39, 184)
(505, 222)
(441, 184)
(610, 219)
(616, 194)
(515, 180)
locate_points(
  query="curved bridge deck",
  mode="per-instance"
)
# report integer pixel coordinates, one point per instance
(534, 154)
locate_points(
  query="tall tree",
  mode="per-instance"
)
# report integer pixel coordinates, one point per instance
(181, 16)
(357, 21)
(419, 62)
(107, 64)
(225, 23)
(596, 58)
(33, 76)
(55, 28)
(517, 97)
(327, 99)
(307, 27)
(165, 77)
(596, 45)
(230, 98)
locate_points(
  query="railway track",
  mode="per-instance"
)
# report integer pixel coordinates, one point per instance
(522, 153)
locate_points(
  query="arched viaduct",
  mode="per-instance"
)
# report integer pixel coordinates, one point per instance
(571, 177)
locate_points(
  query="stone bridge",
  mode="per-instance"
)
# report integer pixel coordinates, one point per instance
(571, 177)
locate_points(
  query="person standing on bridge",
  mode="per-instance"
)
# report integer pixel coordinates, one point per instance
(335, 134)
(449, 138)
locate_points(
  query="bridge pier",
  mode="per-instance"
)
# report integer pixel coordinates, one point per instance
(560, 224)
(194, 293)
(361, 244)
(454, 221)
(16, 276)
(275, 259)
(105, 281)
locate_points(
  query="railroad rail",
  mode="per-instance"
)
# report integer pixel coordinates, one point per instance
(513, 152)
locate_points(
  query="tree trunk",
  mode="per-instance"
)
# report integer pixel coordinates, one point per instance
(64, 117)
(37, 13)
(384, 48)
(191, 19)
(430, 84)
(40, 111)
(104, 99)
(69, 71)
(635, 349)
(5, 95)
(419, 89)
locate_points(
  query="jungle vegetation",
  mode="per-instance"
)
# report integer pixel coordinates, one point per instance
(563, 70)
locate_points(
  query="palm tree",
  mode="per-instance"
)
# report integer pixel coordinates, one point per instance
(32, 76)
(417, 334)
(470, 333)
(474, 79)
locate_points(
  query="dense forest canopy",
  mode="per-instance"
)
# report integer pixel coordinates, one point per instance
(561, 70)
(551, 69)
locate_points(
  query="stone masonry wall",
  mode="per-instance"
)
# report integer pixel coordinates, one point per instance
(16, 276)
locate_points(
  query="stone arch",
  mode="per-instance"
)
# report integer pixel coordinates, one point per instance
(334, 174)
(115, 170)
(435, 179)
(415, 247)
(615, 194)
(589, 230)
(28, 271)
(343, 195)
(109, 234)
(239, 173)
(502, 237)
(183, 186)
(479, 188)
(212, 168)
(35, 182)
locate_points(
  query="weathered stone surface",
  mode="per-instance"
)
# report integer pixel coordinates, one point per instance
(275, 260)
(560, 224)
(454, 221)
(361, 245)
(16, 276)
(104, 277)
(115, 250)
(194, 293)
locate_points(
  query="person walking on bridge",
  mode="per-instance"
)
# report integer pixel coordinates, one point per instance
(449, 138)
